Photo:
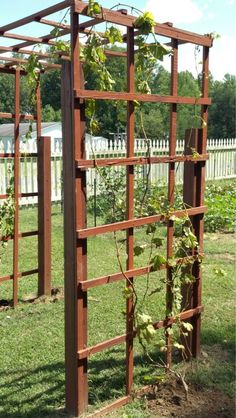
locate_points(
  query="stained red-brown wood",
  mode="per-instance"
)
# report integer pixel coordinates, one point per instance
(129, 337)
(171, 190)
(111, 278)
(75, 166)
(199, 221)
(151, 98)
(75, 217)
(134, 223)
(12, 116)
(4, 196)
(160, 29)
(16, 187)
(112, 162)
(69, 241)
(44, 215)
(35, 16)
(130, 208)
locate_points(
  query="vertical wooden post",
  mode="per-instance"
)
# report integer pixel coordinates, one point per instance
(69, 240)
(73, 111)
(200, 189)
(189, 197)
(130, 206)
(16, 186)
(171, 187)
(44, 215)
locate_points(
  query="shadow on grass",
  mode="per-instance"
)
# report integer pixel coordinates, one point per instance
(39, 392)
(216, 369)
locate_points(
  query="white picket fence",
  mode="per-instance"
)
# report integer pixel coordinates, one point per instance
(221, 164)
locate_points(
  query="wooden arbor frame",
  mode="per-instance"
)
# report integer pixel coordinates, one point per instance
(75, 164)
(43, 156)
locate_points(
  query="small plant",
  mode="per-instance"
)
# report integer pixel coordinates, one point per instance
(7, 211)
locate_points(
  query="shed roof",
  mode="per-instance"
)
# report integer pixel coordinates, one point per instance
(7, 129)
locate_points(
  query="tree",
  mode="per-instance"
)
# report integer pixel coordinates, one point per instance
(51, 89)
(222, 112)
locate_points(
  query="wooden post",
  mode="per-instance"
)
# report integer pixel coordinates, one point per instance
(44, 215)
(171, 189)
(130, 207)
(73, 117)
(192, 192)
(16, 186)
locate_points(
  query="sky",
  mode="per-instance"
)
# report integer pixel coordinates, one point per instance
(200, 16)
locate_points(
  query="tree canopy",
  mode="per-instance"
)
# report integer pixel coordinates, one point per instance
(112, 115)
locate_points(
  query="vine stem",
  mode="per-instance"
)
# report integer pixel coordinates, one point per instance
(148, 155)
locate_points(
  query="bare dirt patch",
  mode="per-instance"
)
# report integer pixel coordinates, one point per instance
(168, 399)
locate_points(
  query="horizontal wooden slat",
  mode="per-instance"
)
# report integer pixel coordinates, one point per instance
(35, 16)
(23, 274)
(6, 70)
(45, 55)
(89, 284)
(134, 223)
(20, 235)
(108, 162)
(13, 61)
(111, 278)
(160, 29)
(87, 352)
(5, 196)
(23, 155)
(152, 98)
(113, 405)
(12, 115)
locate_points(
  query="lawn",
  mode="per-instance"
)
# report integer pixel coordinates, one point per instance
(32, 335)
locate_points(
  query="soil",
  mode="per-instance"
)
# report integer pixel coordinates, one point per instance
(168, 399)
(57, 293)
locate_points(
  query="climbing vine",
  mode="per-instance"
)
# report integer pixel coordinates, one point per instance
(7, 210)
(186, 251)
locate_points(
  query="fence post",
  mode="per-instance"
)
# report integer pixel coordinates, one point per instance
(44, 215)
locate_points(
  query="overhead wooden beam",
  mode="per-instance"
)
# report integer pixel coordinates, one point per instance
(160, 28)
(36, 16)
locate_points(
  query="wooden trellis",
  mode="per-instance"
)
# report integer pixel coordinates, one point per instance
(76, 233)
(44, 194)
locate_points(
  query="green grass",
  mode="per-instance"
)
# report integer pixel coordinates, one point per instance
(32, 335)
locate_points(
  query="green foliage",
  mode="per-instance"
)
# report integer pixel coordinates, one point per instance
(7, 210)
(33, 68)
(221, 203)
(223, 109)
(144, 328)
(51, 89)
(145, 23)
(94, 8)
(113, 35)
(50, 115)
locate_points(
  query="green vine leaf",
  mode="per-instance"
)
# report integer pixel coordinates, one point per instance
(172, 262)
(113, 35)
(128, 293)
(179, 346)
(187, 326)
(139, 249)
(94, 8)
(151, 228)
(145, 329)
(145, 23)
(157, 261)
(157, 242)
(220, 272)
(195, 154)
